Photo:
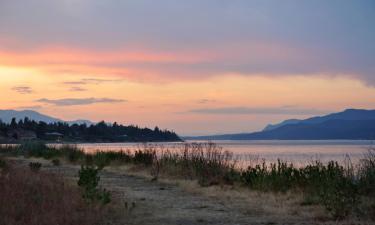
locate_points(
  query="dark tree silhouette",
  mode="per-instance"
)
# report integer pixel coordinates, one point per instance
(100, 132)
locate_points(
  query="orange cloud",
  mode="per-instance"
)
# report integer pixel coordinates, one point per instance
(150, 65)
(125, 63)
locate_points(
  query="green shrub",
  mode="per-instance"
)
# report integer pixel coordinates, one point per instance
(331, 185)
(89, 180)
(35, 166)
(338, 191)
(339, 198)
(278, 176)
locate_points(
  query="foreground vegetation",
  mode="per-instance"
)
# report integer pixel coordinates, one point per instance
(343, 189)
(32, 197)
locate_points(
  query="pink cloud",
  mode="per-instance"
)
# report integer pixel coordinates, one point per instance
(140, 64)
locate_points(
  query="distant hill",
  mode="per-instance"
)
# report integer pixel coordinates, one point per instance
(7, 115)
(349, 124)
(349, 114)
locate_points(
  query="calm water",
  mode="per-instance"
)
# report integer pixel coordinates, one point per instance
(297, 152)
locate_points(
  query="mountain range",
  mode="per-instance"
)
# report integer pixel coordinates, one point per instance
(7, 115)
(348, 124)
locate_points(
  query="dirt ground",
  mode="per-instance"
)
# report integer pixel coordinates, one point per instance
(165, 202)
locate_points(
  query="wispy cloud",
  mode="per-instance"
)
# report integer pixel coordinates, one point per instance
(91, 81)
(74, 82)
(79, 101)
(205, 101)
(247, 110)
(23, 89)
(99, 81)
(77, 89)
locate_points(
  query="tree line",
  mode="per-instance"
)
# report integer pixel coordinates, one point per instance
(99, 132)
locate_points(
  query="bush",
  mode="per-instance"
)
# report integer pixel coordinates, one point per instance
(35, 166)
(337, 190)
(89, 180)
(277, 177)
(331, 185)
(339, 198)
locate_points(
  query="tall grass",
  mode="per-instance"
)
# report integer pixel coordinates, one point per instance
(28, 198)
(341, 189)
(206, 162)
(331, 185)
(366, 173)
(366, 182)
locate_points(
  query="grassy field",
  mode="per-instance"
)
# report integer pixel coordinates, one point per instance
(344, 191)
(32, 197)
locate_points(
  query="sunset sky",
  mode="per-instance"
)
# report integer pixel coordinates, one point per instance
(195, 67)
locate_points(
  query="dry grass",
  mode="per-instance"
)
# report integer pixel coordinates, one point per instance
(263, 205)
(285, 208)
(340, 189)
(39, 198)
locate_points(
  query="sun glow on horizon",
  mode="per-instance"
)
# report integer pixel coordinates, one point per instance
(169, 104)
